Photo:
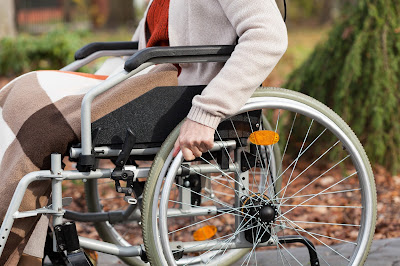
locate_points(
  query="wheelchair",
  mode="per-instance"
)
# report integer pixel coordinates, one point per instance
(286, 173)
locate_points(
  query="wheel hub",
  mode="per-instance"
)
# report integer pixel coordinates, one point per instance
(259, 213)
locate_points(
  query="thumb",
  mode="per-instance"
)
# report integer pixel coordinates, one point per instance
(176, 149)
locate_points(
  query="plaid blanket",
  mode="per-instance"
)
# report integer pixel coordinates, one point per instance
(40, 115)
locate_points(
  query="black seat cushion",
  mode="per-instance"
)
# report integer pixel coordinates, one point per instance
(151, 117)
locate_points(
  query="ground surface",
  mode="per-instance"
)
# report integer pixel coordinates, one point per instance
(384, 252)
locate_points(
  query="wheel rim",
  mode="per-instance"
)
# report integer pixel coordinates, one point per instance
(365, 189)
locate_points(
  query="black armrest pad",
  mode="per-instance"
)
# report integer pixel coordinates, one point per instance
(175, 52)
(91, 48)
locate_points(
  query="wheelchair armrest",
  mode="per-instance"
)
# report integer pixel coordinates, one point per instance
(91, 48)
(180, 54)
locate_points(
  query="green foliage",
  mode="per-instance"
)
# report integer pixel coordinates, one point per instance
(357, 73)
(26, 53)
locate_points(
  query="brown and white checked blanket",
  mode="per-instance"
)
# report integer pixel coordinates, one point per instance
(40, 115)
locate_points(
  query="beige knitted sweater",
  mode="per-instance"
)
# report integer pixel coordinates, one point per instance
(262, 42)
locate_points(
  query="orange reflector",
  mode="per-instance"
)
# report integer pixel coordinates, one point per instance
(204, 233)
(264, 137)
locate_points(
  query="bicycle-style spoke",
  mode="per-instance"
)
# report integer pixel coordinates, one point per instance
(325, 236)
(325, 193)
(315, 179)
(231, 178)
(323, 206)
(279, 253)
(313, 248)
(320, 241)
(231, 212)
(318, 193)
(290, 253)
(301, 149)
(308, 167)
(212, 179)
(337, 224)
(287, 142)
(258, 154)
(296, 159)
(235, 234)
(241, 146)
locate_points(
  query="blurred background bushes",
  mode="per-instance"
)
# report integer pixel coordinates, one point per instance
(48, 51)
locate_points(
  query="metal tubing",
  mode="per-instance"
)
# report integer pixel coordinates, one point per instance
(74, 174)
(87, 103)
(200, 246)
(131, 251)
(206, 169)
(102, 173)
(56, 188)
(206, 210)
(80, 63)
(16, 202)
(106, 152)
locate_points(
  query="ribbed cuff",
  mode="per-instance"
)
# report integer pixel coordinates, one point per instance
(203, 117)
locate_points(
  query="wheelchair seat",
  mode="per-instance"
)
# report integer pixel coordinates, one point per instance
(151, 117)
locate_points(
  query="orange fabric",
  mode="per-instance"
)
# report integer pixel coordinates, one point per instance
(92, 76)
(157, 23)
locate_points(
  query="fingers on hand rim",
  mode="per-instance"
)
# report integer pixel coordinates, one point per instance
(187, 154)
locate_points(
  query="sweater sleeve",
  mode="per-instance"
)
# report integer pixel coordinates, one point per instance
(262, 42)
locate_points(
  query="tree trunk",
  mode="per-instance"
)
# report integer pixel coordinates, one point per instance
(356, 72)
(7, 19)
(67, 10)
(327, 12)
(121, 13)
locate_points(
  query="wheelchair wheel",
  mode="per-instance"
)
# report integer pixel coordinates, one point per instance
(326, 199)
(112, 233)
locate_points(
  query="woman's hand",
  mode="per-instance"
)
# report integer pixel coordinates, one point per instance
(194, 139)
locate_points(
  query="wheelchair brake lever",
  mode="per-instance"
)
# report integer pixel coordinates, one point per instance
(130, 140)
